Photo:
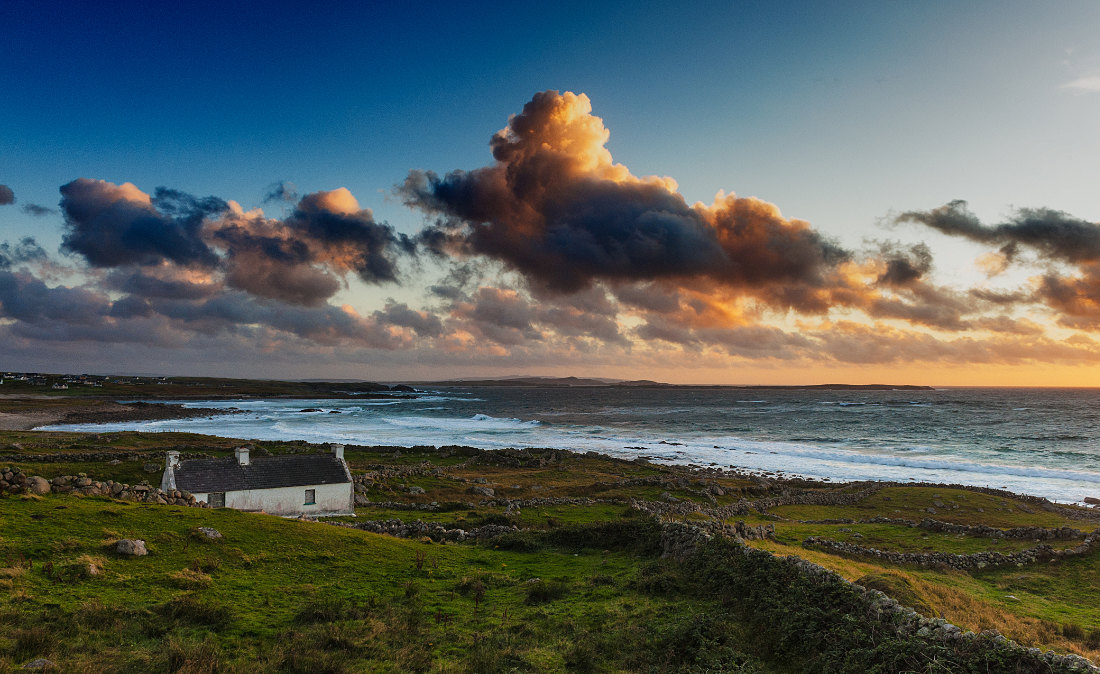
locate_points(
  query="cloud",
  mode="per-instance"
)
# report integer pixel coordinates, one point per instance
(904, 265)
(113, 225)
(37, 210)
(556, 208)
(27, 250)
(1052, 234)
(7, 197)
(1085, 84)
(283, 191)
(300, 259)
(423, 323)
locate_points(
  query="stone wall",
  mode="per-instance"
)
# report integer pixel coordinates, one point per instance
(978, 560)
(16, 482)
(907, 622)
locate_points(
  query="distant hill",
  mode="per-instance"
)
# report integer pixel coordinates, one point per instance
(565, 382)
(543, 382)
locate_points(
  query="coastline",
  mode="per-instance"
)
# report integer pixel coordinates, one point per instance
(80, 411)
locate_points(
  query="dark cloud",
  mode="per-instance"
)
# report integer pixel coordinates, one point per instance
(904, 264)
(28, 300)
(7, 197)
(301, 259)
(1052, 234)
(283, 191)
(142, 284)
(500, 315)
(557, 209)
(38, 211)
(114, 225)
(424, 323)
(27, 250)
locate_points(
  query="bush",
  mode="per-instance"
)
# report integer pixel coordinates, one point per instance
(541, 591)
(189, 610)
(31, 642)
(330, 611)
(193, 657)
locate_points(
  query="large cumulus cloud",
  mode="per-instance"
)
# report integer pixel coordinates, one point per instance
(555, 207)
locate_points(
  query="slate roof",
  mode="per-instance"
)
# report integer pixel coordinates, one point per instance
(263, 472)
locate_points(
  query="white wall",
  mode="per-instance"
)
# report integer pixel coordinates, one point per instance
(332, 499)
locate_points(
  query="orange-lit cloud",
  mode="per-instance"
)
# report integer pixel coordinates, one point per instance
(552, 255)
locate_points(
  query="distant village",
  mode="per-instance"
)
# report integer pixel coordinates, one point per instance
(62, 382)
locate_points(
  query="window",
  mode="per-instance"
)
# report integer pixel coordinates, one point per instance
(311, 496)
(216, 499)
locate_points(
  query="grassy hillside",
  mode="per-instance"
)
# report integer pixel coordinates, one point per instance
(579, 586)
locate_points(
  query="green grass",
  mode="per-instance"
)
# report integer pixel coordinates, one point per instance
(276, 591)
(960, 506)
(377, 602)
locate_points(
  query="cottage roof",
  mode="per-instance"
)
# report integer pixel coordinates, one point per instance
(262, 472)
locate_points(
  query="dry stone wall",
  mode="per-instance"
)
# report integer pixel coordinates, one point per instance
(15, 481)
(978, 560)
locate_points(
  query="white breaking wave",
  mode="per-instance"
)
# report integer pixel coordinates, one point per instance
(394, 423)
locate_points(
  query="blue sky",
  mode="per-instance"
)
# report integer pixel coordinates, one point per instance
(841, 114)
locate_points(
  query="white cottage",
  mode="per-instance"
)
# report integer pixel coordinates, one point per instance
(288, 485)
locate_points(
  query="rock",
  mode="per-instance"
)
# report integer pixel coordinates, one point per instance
(209, 532)
(310, 409)
(133, 547)
(481, 491)
(152, 467)
(1092, 500)
(38, 485)
(39, 663)
(416, 490)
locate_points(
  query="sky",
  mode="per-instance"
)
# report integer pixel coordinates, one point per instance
(719, 193)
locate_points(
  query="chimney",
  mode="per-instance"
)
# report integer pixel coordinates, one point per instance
(242, 455)
(171, 463)
(338, 450)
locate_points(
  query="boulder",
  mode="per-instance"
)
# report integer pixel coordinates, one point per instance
(1091, 500)
(481, 491)
(132, 547)
(39, 664)
(209, 532)
(416, 490)
(38, 485)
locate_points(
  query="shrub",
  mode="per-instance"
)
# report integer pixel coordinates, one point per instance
(32, 641)
(193, 657)
(331, 610)
(541, 591)
(190, 610)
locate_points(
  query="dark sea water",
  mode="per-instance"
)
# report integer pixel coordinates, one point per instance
(1037, 441)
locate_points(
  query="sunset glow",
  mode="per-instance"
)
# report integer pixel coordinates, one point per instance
(527, 246)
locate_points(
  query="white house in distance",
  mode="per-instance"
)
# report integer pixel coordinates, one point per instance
(287, 485)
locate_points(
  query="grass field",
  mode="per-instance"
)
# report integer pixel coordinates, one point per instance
(590, 595)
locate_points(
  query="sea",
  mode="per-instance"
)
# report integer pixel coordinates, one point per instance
(1044, 442)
